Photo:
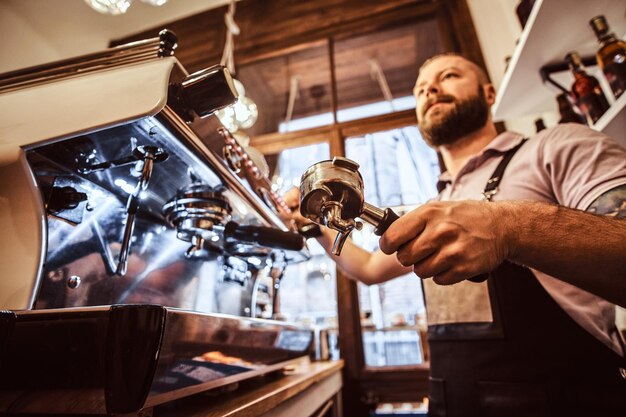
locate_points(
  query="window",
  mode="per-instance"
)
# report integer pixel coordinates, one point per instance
(399, 170)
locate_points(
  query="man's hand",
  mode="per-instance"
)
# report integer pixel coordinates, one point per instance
(292, 198)
(450, 241)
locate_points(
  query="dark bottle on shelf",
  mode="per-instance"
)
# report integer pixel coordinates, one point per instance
(611, 56)
(586, 90)
(567, 111)
(523, 10)
(539, 125)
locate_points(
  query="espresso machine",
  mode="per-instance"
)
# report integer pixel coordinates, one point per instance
(131, 250)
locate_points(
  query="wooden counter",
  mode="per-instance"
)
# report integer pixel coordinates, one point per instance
(309, 389)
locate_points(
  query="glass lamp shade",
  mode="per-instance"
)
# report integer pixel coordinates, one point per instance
(112, 7)
(155, 2)
(240, 115)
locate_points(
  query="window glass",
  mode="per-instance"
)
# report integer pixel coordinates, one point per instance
(382, 67)
(400, 171)
(289, 87)
(308, 291)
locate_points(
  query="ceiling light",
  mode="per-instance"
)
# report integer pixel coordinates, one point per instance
(154, 2)
(240, 115)
(112, 7)
(117, 7)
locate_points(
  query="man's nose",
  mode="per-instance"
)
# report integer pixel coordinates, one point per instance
(431, 89)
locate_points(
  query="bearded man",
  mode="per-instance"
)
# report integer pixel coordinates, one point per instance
(523, 257)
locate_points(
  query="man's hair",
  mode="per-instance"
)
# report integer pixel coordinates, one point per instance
(480, 73)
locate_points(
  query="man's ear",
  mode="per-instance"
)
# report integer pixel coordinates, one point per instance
(490, 93)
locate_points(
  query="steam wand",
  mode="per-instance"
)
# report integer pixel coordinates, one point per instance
(150, 155)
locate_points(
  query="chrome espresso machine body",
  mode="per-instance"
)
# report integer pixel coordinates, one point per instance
(131, 254)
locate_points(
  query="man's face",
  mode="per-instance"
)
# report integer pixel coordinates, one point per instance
(450, 100)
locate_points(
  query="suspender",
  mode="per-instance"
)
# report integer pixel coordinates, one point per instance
(491, 188)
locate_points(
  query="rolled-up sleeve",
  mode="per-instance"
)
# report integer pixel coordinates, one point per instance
(581, 164)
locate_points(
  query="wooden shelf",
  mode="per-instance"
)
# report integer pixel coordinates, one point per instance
(554, 28)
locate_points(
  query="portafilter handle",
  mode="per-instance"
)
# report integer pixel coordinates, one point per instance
(382, 219)
(379, 218)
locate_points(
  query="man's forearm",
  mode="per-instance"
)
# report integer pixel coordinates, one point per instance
(359, 264)
(586, 250)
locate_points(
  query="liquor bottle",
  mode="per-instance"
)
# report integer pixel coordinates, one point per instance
(567, 112)
(523, 10)
(611, 56)
(586, 90)
(539, 125)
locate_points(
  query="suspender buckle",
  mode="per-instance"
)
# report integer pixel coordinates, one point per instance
(488, 194)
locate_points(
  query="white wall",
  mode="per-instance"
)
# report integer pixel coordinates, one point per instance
(498, 28)
(22, 44)
(39, 31)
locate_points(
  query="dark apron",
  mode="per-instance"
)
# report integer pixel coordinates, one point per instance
(533, 360)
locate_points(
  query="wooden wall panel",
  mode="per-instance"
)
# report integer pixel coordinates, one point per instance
(269, 26)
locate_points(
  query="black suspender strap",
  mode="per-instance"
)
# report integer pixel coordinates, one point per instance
(491, 188)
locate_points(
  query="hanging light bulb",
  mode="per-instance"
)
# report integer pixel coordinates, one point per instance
(112, 7)
(240, 115)
(155, 2)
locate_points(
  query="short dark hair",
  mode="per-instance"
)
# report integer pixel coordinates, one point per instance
(480, 72)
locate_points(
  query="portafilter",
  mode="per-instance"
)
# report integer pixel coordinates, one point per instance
(331, 194)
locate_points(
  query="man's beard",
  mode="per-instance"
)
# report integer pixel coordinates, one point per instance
(466, 117)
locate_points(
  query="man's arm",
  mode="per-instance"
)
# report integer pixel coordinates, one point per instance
(359, 264)
(453, 241)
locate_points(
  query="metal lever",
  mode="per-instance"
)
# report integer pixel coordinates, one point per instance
(149, 154)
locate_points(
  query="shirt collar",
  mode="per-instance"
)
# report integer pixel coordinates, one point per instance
(499, 145)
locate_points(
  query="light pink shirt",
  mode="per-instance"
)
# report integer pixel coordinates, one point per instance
(569, 165)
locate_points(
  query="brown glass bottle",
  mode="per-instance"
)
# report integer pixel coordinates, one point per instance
(523, 10)
(586, 90)
(611, 56)
(567, 112)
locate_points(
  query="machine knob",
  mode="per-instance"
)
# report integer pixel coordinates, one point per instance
(206, 91)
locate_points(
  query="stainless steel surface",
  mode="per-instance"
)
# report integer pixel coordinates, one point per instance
(148, 155)
(321, 344)
(207, 91)
(161, 267)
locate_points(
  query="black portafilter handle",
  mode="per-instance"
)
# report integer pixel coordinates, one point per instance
(264, 236)
(389, 216)
(310, 230)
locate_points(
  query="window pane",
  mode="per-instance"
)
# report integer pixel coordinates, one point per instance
(305, 75)
(399, 170)
(364, 64)
(308, 292)
(397, 166)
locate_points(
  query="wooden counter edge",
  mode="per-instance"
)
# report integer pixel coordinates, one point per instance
(258, 400)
